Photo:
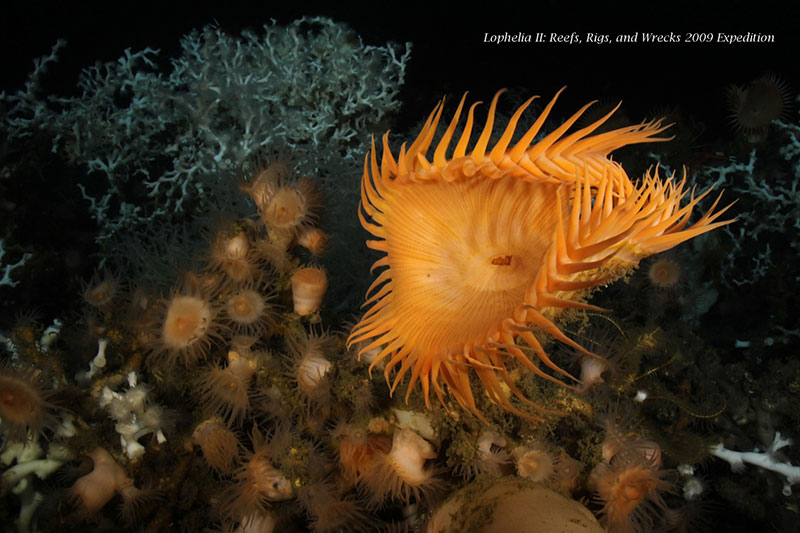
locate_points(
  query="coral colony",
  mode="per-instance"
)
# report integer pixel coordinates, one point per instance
(243, 393)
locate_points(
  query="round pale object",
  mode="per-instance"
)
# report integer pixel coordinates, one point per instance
(511, 505)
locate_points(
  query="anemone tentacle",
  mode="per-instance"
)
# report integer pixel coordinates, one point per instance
(485, 248)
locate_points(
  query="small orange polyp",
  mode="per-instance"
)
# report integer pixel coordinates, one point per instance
(308, 289)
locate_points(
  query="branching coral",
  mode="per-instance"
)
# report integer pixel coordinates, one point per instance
(224, 97)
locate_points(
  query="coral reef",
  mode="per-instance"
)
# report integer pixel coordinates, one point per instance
(206, 382)
(224, 98)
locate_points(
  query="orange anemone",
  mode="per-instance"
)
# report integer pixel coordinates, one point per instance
(485, 248)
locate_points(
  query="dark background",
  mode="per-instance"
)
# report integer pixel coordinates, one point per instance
(449, 55)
